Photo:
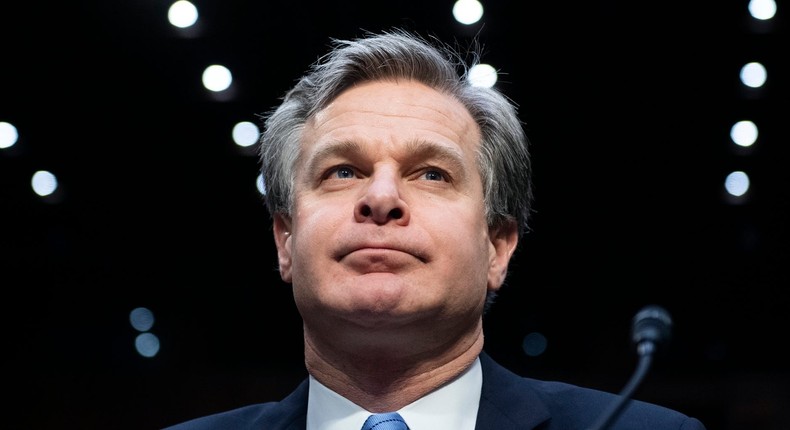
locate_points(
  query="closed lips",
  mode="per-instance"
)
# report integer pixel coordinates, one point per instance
(345, 250)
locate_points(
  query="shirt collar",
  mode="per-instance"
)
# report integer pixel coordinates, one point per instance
(452, 406)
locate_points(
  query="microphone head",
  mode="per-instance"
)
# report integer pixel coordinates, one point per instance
(652, 327)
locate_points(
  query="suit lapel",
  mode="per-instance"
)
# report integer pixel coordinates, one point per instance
(507, 401)
(290, 413)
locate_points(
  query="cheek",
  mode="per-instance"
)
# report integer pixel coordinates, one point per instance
(465, 245)
(314, 222)
(314, 230)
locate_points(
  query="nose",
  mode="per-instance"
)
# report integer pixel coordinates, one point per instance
(381, 201)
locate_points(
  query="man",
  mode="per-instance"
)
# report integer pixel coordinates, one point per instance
(399, 193)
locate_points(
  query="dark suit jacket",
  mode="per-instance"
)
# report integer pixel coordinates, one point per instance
(508, 401)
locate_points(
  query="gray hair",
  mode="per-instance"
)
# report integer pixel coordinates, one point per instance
(503, 159)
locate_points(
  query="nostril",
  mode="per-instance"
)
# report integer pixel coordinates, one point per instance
(365, 211)
(396, 213)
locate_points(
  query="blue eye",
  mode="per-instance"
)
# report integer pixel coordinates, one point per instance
(344, 172)
(434, 175)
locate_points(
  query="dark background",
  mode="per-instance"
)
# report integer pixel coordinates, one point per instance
(628, 106)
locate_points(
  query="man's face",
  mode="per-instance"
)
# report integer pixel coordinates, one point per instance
(388, 228)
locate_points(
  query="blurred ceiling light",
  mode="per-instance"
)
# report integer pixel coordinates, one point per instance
(482, 75)
(182, 14)
(44, 183)
(737, 183)
(762, 9)
(467, 11)
(753, 74)
(217, 78)
(246, 134)
(8, 135)
(744, 133)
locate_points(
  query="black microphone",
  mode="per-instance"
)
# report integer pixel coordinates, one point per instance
(651, 329)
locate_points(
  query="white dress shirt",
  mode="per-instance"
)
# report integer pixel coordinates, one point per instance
(451, 407)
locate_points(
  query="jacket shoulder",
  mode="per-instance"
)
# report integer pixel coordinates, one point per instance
(513, 401)
(287, 414)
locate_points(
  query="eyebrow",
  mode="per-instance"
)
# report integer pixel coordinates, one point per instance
(343, 148)
(428, 150)
(416, 150)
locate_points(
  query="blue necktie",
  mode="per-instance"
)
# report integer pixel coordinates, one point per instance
(388, 421)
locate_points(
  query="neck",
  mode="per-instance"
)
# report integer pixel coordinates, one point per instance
(382, 380)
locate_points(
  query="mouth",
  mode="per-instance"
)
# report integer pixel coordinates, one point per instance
(378, 259)
(379, 251)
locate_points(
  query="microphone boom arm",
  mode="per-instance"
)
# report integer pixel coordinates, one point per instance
(651, 326)
(645, 361)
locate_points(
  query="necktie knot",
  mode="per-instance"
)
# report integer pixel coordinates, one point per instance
(385, 421)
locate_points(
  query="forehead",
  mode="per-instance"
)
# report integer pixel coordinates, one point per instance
(391, 112)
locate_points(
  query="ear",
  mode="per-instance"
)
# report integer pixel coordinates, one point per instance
(282, 238)
(504, 240)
